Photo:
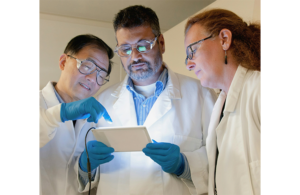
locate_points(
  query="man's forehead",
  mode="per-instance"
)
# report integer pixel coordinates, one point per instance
(94, 54)
(133, 35)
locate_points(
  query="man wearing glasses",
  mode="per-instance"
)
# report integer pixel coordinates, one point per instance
(154, 96)
(68, 110)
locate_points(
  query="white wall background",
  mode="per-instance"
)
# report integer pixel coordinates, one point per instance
(57, 31)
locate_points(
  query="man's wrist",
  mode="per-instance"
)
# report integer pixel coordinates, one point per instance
(62, 112)
(180, 169)
(81, 165)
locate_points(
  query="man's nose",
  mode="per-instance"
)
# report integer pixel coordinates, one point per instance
(136, 55)
(92, 77)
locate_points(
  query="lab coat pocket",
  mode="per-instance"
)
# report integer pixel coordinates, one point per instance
(255, 176)
(186, 143)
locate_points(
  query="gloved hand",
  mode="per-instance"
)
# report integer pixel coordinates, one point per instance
(86, 108)
(99, 154)
(167, 155)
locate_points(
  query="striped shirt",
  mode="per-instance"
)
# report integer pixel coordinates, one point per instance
(142, 104)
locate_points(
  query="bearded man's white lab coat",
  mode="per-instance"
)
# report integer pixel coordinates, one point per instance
(180, 116)
(237, 137)
(60, 146)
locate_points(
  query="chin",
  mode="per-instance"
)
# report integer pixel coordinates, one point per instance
(206, 84)
(82, 96)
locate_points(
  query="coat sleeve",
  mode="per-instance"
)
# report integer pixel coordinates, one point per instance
(255, 133)
(198, 161)
(49, 121)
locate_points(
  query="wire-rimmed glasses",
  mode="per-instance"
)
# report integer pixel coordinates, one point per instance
(142, 46)
(87, 67)
(192, 48)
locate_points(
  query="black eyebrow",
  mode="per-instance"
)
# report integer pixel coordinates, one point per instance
(90, 59)
(137, 42)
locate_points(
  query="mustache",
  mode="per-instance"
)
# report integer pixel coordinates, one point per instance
(138, 62)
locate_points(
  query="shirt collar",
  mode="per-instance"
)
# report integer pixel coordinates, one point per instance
(160, 83)
(57, 95)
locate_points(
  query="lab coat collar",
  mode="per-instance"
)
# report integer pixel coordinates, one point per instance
(123, 105)
(173, 87)
(235, 89)
(49, 95)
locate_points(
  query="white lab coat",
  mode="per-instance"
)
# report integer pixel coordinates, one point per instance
(180, 116)
(60, 147)
(238, 137)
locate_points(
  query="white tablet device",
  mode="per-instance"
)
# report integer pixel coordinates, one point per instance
(123, 139)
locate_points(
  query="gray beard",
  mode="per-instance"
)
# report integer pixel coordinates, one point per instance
(143, 74)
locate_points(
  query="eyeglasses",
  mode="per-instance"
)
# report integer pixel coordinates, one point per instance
(192, 48)
(87, 67)
(143, 46)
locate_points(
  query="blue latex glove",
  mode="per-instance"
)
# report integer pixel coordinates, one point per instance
(99, 154)
(86, 108)
(167, 155)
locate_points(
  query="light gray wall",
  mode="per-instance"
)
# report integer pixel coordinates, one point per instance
(57, 31)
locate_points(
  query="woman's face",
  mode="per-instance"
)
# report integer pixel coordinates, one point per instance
(208, 58)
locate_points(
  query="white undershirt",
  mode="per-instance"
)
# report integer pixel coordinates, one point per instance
(147, 90)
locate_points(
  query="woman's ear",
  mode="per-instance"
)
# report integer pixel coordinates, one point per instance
(62, 61)
(225, 36)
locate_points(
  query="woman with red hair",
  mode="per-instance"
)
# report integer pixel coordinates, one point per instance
(224, 52)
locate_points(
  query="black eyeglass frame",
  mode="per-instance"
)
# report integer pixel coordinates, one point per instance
(79, 62)
(190, 47)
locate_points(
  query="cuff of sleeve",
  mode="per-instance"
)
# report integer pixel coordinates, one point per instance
(95, 178)
(180, 169)
(198, 165)
(186, 174)
(83, 176)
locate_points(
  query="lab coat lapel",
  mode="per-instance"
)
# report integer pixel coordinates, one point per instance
(124, 105)
(161, 106)
(212, 138)
(164, 102)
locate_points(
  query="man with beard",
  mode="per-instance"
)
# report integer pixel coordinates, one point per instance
(154, 96)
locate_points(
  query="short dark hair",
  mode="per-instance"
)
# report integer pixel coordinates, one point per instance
(80, 41)
(135, 16)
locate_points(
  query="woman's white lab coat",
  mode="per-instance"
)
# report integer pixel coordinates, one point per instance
(237, 137)
(181, 116)
(60, 146)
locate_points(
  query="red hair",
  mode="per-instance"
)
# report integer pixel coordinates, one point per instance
(245, 45)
